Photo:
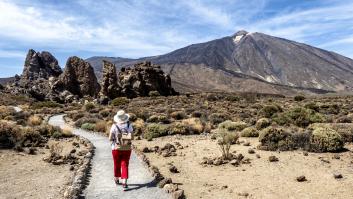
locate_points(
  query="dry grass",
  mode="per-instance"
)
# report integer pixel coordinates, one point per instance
(34, 120)
(101, 126)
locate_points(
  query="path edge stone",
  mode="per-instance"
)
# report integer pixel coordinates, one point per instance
(154, 171)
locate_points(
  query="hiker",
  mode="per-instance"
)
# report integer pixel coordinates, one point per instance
(121, 134)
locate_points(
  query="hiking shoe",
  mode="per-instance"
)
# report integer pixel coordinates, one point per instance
(125, 187)
(116, 181)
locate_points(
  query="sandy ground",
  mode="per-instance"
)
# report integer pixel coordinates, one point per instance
(28, 176)
(261, 178)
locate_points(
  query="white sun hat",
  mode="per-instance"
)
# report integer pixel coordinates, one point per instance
(121, 117)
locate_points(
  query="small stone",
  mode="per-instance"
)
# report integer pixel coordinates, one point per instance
(73, 151)
(258, 156)
(336, 156)
(178, 194)
(146, 150)
(173, 169)
(273, 158)
(72, 168)
(301, 179)
(305, 153)
(245, 194)
(246, 144)
(337, 175)
(325, 161)
(251, 151)
(163, 182)
(234, 162)
(170, 188)
(217, 162)
(224, 187)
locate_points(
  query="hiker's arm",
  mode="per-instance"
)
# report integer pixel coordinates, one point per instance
(131, 131)
(111, 137)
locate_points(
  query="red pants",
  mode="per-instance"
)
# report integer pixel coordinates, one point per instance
(121, 163)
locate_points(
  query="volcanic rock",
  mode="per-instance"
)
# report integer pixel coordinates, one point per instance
(78, 78)
(144, 78)
(40, 65)
(109, 80)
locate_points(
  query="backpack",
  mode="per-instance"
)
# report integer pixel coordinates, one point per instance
(123, 137)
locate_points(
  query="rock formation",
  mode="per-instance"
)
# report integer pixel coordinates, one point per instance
(109, 82)
(40, 65)
(143, 79)
(78, 78)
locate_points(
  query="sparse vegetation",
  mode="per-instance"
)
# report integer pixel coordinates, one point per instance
(249, 132)
(225, 140)
(119, 101)
(155, 130)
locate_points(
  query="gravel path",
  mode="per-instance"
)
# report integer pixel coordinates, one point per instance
(101, 184)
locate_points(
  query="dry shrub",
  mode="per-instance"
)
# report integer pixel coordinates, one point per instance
(139, 126)
(6, 111)
(34, 120)
(155, 130)
(178, 128)
(225, 140)
(55, 149)
(9, 134)
(66, 131)
(100, 126)
(232, 126)
(195, 125)
(178, 115)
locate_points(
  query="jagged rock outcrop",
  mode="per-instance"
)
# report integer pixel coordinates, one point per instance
(144, 78)
(78, 78)
(109, 84)
(40, 65)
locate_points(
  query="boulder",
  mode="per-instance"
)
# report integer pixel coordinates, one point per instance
(78, 78)
(144, 78)
(110, 87)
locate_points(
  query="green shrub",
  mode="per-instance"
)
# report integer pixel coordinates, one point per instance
(216, 118)
(196, 114)
(178, 115)
(83, 120)
(232, 126)
(178, 128)
(105, 113)
(154, 131)
(89, 106)
(88, 126)
(47, 104)
(313, 106)
(154, 94)
(299, 116)
(269, 110)
(158, 118)
(119, 101)
(273, 138)
(249, 132)
(324, 139)
(299, 98)
(57, 135)
(262, 123)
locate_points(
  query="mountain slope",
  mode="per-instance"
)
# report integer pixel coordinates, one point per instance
(270, 63)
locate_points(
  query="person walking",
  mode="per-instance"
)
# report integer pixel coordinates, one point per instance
(121, 134)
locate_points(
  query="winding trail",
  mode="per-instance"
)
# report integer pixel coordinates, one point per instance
(101, 184)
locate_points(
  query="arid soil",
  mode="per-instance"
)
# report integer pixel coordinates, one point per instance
(259, 179)
(29, 176)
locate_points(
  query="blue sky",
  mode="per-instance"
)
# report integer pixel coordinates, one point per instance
(137, 28)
